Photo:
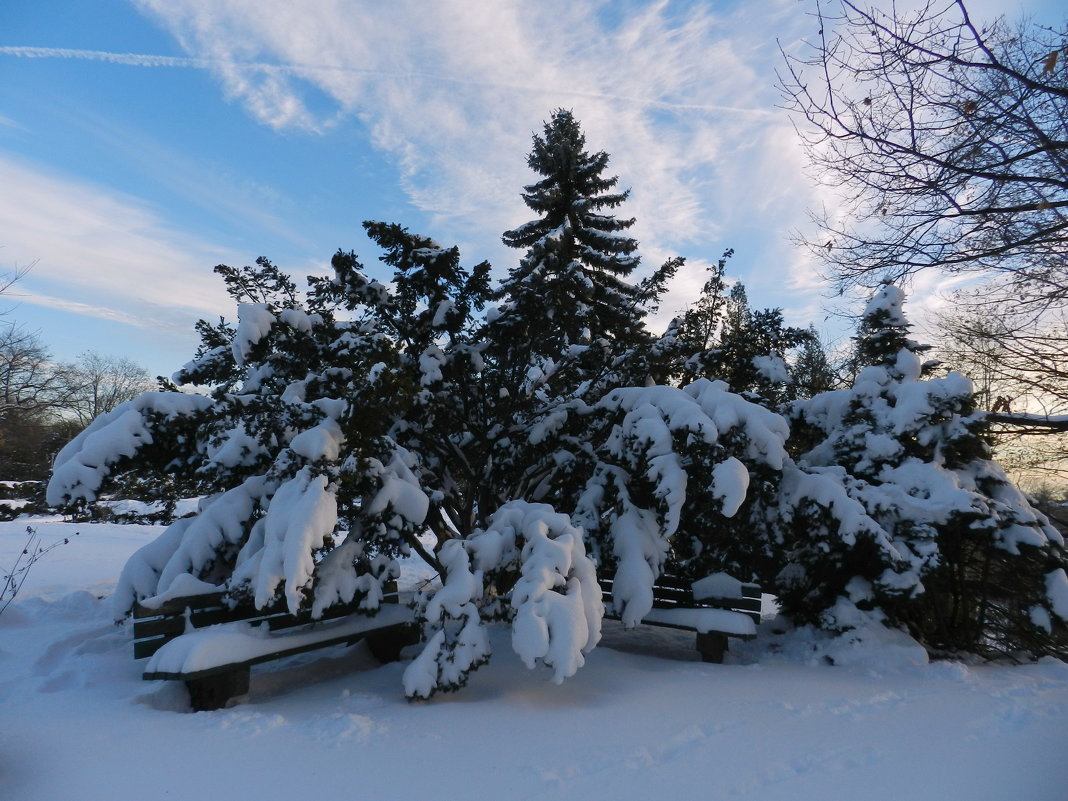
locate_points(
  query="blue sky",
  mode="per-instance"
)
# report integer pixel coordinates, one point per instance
(143, 142)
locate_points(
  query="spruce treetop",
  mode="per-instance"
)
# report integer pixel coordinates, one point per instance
(569, 288)
(883, 332)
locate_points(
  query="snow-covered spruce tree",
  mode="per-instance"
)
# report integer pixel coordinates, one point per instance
(897, 514)
(568, 326)
(570, 287)
(571, 355)
(656, 475)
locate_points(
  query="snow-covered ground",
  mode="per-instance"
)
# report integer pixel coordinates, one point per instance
(643, 719)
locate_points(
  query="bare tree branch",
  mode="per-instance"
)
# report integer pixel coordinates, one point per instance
(948, 140)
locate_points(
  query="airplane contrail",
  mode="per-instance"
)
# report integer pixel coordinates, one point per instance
(147, 60)
(130, 59)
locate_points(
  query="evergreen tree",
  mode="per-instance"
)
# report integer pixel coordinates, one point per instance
(897, 514)
(568, 328)
(721, 337)
(570, 287)
(811, 372)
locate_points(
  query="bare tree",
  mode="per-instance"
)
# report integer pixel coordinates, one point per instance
(1020, 372)
(34, 391)
(30, 383)
(949, 141)
(100, 383)
(43, 403)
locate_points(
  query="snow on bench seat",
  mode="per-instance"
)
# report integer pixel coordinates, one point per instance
(218, 648)
(703, 621)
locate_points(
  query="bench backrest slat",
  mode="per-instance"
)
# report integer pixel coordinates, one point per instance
(671, 592)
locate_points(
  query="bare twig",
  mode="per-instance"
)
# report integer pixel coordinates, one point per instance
(12, 580)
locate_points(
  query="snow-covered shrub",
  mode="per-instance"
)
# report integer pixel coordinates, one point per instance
(21, 497)
(307, 495)
(672, 487)
(328, 431)
(529, 566)
(895, 511)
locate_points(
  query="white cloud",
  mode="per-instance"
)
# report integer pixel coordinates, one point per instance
(84, 309)
(453, 89)
(681, 94)
(109, 251)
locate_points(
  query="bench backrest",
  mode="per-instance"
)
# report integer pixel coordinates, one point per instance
(671, 592)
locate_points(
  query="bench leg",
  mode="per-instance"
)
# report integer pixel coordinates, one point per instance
(386, 645)
(212, 692)
(711, 646)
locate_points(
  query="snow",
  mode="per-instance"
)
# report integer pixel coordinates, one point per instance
(254, 322)
(706, 620)
(555, 605)
(1057, 592)
(323, 441)
(302, 513)
(227, 643)
(730, 480)
(82, 464)
(183, 586)
(772, 369)
(400, 492)
(642, 719)
(558, 628)
(888, 300)
(718, 585)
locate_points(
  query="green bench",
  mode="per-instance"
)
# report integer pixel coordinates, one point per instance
(211, 646)
(716, 608)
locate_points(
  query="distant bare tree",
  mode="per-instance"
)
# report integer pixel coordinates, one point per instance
(34, 391)
(43, 403)
(9, 278)
(1019, 366)
(100, 383)
(30, 382)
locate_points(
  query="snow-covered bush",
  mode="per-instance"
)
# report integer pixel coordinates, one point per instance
(307, 494)
(327, 431)
(677, 485)
(895, 511)
(529, 567)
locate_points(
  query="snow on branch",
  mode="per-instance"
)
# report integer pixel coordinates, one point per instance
(671, 457)
(555, 605)
(87, 460)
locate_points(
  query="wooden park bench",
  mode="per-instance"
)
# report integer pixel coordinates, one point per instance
(212, 646)
(716, 608)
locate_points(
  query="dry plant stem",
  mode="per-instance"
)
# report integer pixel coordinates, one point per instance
(30, 555)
